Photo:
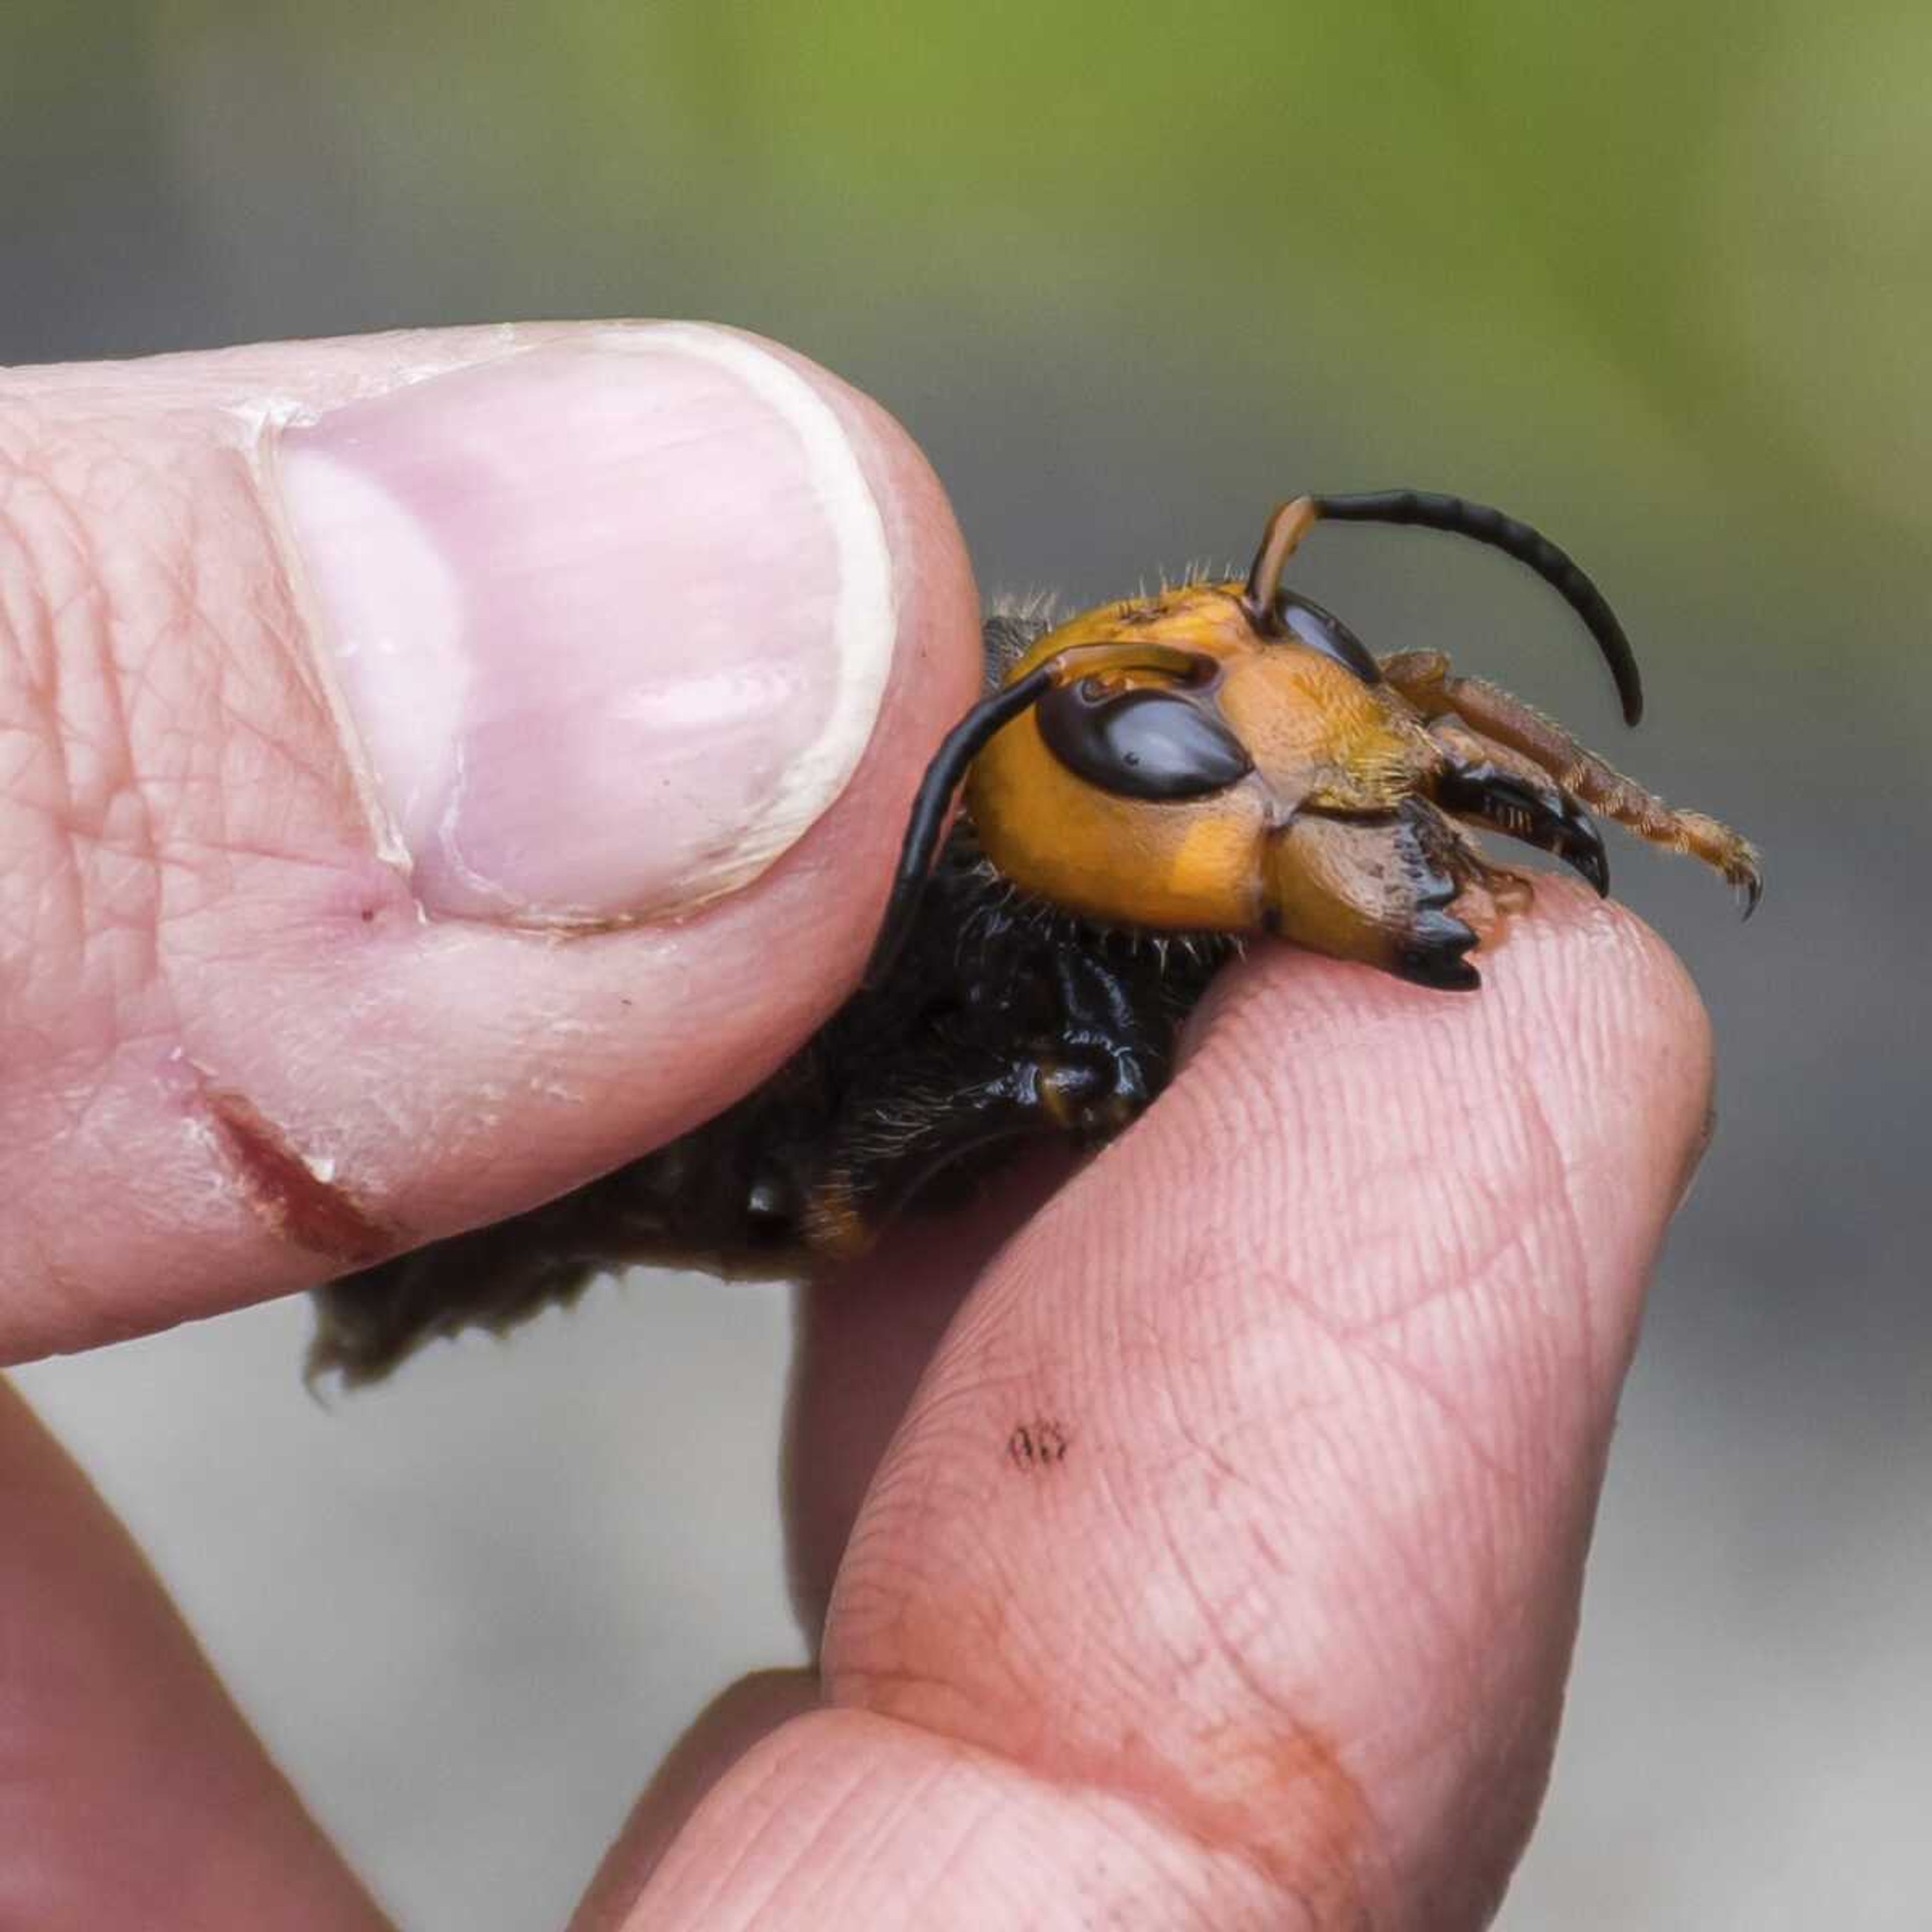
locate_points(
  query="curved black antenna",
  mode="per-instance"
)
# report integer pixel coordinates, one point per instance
(1460, 517)
(970, 737)
(957, 750)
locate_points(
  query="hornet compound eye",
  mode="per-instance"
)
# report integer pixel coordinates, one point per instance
(1140, 742)
(1304, 620)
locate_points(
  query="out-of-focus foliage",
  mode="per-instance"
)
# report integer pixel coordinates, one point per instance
(1676, 252)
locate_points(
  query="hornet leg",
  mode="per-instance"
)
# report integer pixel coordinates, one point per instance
(1089, 1079)
(1486, 784)
(1424, 678)
(895, 1141)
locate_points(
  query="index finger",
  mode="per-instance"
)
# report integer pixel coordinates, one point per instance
(1229, 1554)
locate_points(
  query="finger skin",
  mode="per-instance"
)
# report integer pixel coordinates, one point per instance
(865, 1336)
(214, 989)
(136, 1795)
(730, 1726)
(1323, 1356)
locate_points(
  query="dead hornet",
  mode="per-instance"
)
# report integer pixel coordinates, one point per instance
(1142, 785)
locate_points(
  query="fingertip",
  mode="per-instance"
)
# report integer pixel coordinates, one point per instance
(1586, 1023)
(1614, 1027)
(728, 1728)
(1328, 1346)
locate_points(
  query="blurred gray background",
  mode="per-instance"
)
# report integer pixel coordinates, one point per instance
(1657, 276)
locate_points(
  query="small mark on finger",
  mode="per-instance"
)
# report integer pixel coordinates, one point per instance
(1038, 1444)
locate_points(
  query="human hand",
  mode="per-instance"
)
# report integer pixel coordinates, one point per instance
(1223, 1568)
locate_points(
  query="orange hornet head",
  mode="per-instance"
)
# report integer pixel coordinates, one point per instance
(1229, 757)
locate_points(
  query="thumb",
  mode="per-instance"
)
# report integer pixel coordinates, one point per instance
(436, 767)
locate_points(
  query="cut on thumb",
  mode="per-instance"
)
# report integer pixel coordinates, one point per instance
(439, 767)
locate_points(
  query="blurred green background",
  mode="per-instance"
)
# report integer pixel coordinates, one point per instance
(1658, 277)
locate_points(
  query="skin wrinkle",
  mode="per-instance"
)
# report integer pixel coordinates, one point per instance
(776, 1824)
(869, 1687)
(202, 639)
(1474, 1532)
(1142, 1382)
(1075, 1671)
(1078, 1674)
(297, 689)
(1463, 1732)
(1227, 1651)
(771, 1823)
(970, 1834)
(37, 668)
(117, 884)
(75, 822)
(1100, 1766)
(866, 1825)
(851, 1816)
(1564, 1217)
(1187, 1437)
(97, 625)
(878, 1824)
(1470, 1272)
(1197, 1883)
(1367, 1340)
(1438, 1292)
(1434, 1632)
(145, 974)
(80, 1100)
(1507, 1474)
(1553, 1343)
(1370, 1538)
(981, 1623)
(1357, 1337)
